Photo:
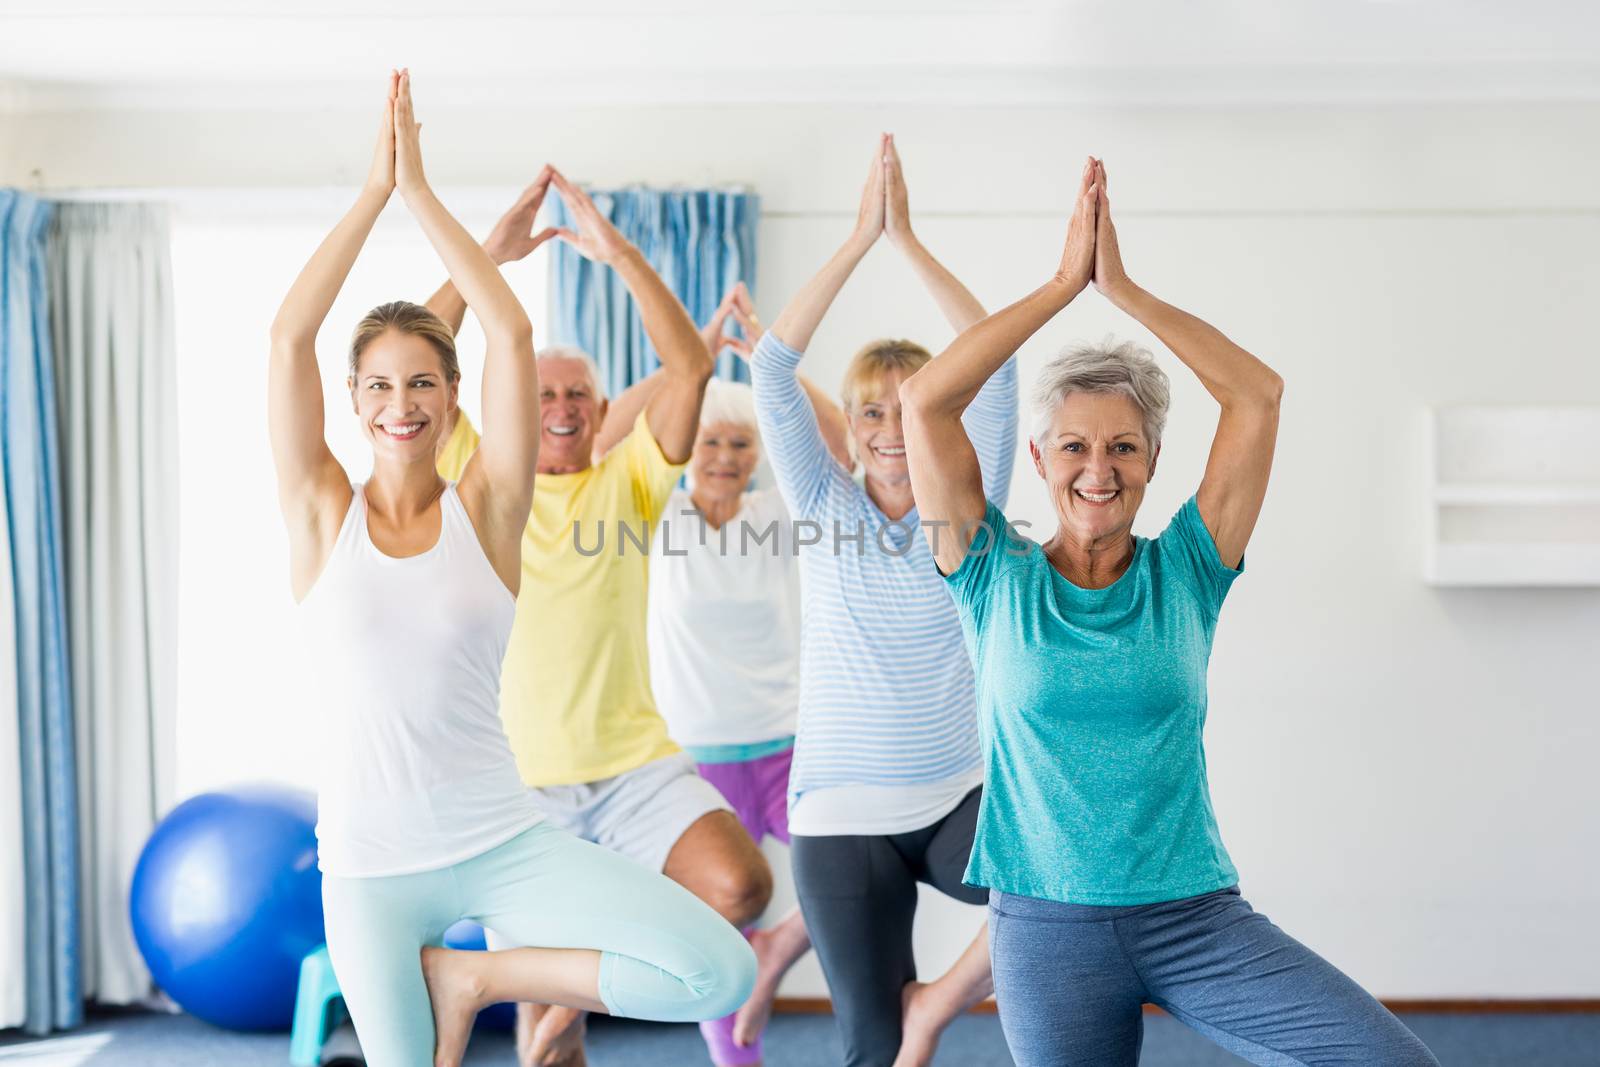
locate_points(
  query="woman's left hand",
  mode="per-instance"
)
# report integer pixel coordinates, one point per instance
(1109, 275)
(408, 176)
(896, 206)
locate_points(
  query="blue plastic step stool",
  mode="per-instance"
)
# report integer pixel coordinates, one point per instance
(318, 1009)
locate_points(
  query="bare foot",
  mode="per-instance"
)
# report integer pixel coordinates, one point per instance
(754, 1013)
(552, 1038)
(922, 1021)
(456, 991)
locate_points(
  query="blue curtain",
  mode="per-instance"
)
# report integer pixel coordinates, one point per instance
(701, 242)
(33, 511)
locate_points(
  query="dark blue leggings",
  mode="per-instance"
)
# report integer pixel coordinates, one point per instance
(1071, 981)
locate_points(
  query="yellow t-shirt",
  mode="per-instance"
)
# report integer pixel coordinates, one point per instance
(575, 689)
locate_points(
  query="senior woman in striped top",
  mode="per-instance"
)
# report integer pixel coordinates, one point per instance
(886, 777)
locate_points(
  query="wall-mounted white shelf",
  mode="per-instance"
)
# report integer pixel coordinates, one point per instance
(1490, 495)
(1513, 496)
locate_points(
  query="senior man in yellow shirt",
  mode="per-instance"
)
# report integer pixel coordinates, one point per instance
(575, 689)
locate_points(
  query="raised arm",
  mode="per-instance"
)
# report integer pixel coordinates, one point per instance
(960, 308)
(831, 419)
(623, 410)
(673, 412)
(497, 485)
(313, 490)
(511, 239)
(1240, 464)
(796, 445)
(801, 316)
(945, 475)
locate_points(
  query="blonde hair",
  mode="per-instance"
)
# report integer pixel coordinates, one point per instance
(875, 363)
(405, 317)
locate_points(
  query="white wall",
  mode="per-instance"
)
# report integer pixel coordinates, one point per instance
(1404, 775)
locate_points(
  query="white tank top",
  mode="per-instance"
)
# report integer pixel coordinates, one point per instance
(404, 658)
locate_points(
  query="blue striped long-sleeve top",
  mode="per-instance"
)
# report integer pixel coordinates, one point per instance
(886, 690)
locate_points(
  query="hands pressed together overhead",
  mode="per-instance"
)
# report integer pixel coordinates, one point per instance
(1092, 254)
(595, 237)
(884, 209)
(512, 237)
(736, 303)
(397, 164)
(397, 160)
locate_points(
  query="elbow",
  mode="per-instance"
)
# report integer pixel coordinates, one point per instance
(922, 397)
(1264, 393)
(1272, 388)
(701, 367)
(287, 347)
(515, 332)
(914, 394)
(285, 337)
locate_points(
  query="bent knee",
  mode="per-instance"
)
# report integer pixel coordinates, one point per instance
(742, 895)
(732, 975)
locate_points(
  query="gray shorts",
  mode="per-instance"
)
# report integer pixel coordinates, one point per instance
(640, 813)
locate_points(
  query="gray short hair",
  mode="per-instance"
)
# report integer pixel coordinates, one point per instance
(1107, 367)
(574, 352)
(733, 402)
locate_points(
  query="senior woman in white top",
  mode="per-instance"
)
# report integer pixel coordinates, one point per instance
(724, 638)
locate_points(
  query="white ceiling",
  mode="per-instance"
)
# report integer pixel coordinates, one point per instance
(301, 53)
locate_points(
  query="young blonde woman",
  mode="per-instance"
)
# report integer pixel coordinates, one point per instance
(407, 585)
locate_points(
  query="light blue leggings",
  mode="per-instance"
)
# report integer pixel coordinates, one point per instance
(664, 954)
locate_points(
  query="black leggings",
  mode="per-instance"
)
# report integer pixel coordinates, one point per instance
(859, 895)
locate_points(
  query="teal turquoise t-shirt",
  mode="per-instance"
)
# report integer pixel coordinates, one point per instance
(1091, 704)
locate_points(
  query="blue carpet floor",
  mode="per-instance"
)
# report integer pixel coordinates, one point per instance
(114, 1040)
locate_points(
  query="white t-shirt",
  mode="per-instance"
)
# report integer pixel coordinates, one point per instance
(724, 623)
(877, 810)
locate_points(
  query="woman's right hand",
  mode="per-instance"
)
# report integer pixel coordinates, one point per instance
(869, 218)
(380, 180)
(1077, 259)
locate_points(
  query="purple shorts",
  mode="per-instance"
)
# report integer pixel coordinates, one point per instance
(758, 789)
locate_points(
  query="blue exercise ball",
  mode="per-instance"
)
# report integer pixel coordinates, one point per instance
(468, 935)
(226, 902)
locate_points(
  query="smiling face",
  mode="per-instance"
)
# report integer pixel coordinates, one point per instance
(402, 396)
(725, 455)
(880, 443)
(1096, 462)
(570, 412)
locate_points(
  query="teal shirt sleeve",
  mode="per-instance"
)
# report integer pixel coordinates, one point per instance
(993, 544)
(1188, 550)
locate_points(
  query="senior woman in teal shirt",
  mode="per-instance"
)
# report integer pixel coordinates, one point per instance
(1109, 884)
